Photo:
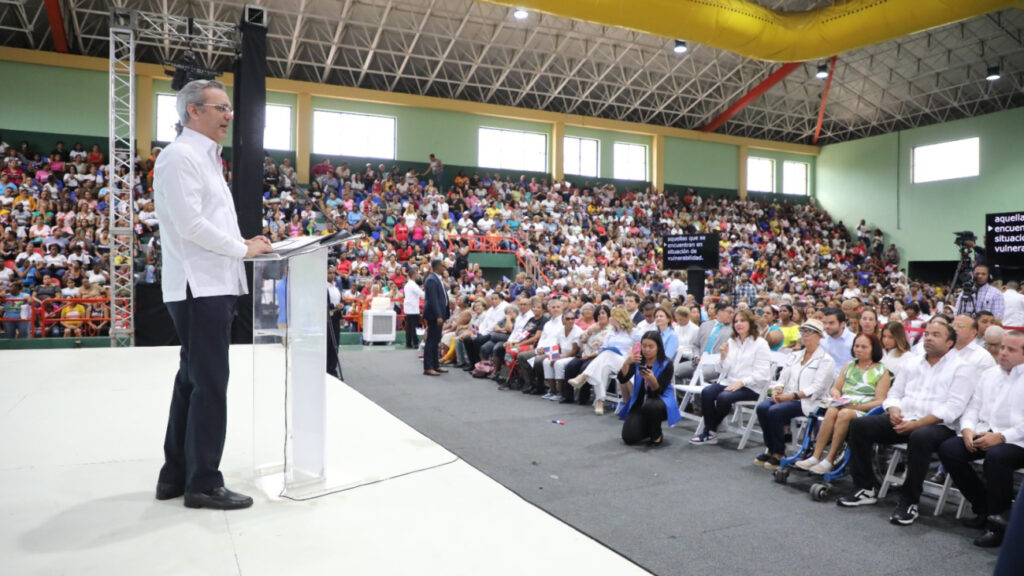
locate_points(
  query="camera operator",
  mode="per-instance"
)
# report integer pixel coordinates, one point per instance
(986, 297)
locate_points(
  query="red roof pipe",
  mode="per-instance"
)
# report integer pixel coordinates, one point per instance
(749, 97)
(60, 39)
(824, 99)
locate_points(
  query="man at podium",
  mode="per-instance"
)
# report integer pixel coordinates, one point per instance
(203, 276)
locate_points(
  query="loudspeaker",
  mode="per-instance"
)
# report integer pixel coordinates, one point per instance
(255, 15)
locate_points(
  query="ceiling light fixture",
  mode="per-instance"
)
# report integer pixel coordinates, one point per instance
(520, 14)
(822, 72)
(680, 47)
(993, 74)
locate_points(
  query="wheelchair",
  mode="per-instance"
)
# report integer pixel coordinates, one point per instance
(820, 491)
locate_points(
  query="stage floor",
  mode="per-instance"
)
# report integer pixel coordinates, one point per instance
(83, 431)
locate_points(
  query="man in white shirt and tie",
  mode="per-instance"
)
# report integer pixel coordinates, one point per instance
(992, 428)
(203, 276)
(922, 408)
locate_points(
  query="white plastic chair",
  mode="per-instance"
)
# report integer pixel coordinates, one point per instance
(696, 384)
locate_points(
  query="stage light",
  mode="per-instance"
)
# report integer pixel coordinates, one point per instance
(822, 72)
(186, 70)
(993, 74)
(680, 47)
(520, 14)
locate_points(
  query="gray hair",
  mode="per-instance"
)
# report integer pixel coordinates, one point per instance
(192, 93)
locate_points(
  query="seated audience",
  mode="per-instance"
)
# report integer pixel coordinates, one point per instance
(922, 407)
(861, 386)
(613, 353)
(992, 428)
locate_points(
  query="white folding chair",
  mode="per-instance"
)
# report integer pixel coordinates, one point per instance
(891, 478)
(745, 412)
(692, 389)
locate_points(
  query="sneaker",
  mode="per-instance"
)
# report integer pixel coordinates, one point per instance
(762, 459)
(706, 438)
(904, 515)
(556, 398)
(807, 463)
(822, 468)
(773, 463)
(861, 497)
(547, 396)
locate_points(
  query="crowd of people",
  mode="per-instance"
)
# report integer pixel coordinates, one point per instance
(55, 241)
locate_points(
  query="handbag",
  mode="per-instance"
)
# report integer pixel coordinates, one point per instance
(483, 369)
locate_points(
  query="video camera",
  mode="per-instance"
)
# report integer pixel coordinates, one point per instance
(963, 237)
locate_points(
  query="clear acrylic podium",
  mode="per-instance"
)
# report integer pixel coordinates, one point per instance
(289, 367)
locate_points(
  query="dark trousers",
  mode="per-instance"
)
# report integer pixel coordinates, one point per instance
(198, 417)
(1011, 557)
(494, 341)
(412, 322)
(716, 403)
(644, 422)
(994, 494)
(527, 372)
(431, 344)
(333, 335)
(773, 419)
(473, 345)
(921, 443)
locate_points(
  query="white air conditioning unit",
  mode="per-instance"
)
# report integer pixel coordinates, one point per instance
(379, 326)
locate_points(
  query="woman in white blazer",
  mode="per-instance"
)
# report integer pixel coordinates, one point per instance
(802, 384)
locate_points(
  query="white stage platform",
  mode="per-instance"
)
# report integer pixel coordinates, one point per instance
(82, 444)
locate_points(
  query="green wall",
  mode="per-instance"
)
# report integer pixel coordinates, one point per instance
(53, 100)
(606, 147)
(495, 265)
(452, 136)
(870, 178)
(701, 164)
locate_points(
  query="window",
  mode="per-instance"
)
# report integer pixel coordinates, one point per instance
(277, 130)
(630, 161)
(794, 178)
(360, 135)
(580, 156)
(945, 161)
(513, 150)
(166, 117)
(760, 174)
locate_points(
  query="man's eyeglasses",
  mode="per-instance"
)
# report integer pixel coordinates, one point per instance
(223, 108)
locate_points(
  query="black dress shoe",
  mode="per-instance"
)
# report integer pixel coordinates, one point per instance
(167, 491)
(979, 521)
(990, 539)
(218, 499)
(1000, 521)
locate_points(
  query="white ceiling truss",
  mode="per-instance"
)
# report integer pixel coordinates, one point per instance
(478, 52)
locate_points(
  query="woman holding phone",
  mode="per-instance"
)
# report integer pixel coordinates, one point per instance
(646, 384)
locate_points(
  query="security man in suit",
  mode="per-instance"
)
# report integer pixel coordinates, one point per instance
(435, 312)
